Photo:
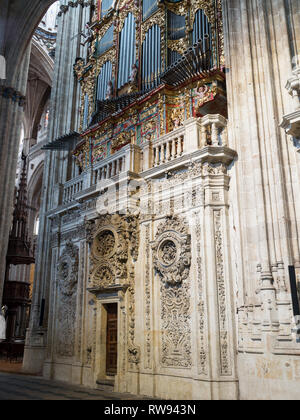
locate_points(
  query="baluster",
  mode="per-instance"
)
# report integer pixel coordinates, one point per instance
(173, 150)
(157, 156)
(214, 134)
(168, 156)
(225, 137)
(180, 145)
(203, 141)
(164, 152)
(117, 166)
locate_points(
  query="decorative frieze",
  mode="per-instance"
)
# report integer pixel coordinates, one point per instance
(221, 294)
(147, 301)
(201, 304)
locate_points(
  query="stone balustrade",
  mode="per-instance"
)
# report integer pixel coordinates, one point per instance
(73, 187)
(125, 160)
(195, 134)
(168, 147)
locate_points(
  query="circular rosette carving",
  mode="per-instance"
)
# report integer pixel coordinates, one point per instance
(103, 277)
(167, 252)
(172, 252)
(104, 244)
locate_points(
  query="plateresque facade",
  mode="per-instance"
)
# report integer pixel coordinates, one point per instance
(169, 221)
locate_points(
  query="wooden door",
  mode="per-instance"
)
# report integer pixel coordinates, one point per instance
(112, 339)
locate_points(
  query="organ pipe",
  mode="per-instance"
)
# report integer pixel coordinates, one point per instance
(126, 50)
(151, 57)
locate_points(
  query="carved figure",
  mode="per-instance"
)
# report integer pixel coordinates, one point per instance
(134, 73)
(109, 91)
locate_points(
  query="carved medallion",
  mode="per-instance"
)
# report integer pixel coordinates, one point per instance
(172, 252)
(167, 252)
(104, 245)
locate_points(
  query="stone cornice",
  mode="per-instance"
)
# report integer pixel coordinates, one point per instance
(73, 4)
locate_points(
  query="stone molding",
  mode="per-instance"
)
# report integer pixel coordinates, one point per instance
(73, 4)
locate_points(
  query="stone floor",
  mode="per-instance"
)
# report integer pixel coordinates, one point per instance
(20, 387)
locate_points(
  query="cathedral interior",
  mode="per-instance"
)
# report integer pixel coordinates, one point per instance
(149, 178)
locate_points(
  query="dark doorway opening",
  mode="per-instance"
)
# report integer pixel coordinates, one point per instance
(112, 339)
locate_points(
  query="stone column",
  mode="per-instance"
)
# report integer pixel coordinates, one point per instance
(64, 105)
(11, 114)
(261, 39)
(219, 286)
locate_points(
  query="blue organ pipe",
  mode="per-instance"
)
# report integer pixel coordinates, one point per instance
(159, 52)
(121, 53)
(155, 55)
(145, 60)
(133, 43)
(149, 62)
(130, 37)
(120, 49)
(156, 52)
(128, 47)
(151, 56)
(132, 47)
(126, 51)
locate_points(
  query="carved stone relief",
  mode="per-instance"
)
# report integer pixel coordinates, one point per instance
(113, 240)
(67, 278)
(172, 252)
(172, 261)
(221, 290)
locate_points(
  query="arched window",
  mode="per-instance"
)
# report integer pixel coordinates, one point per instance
(126, 50)
(104, 77)
(151, 57)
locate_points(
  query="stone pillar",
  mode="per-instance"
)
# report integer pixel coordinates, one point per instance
(64, 105)
(11, 113)
(261, 41)
(219, 285)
